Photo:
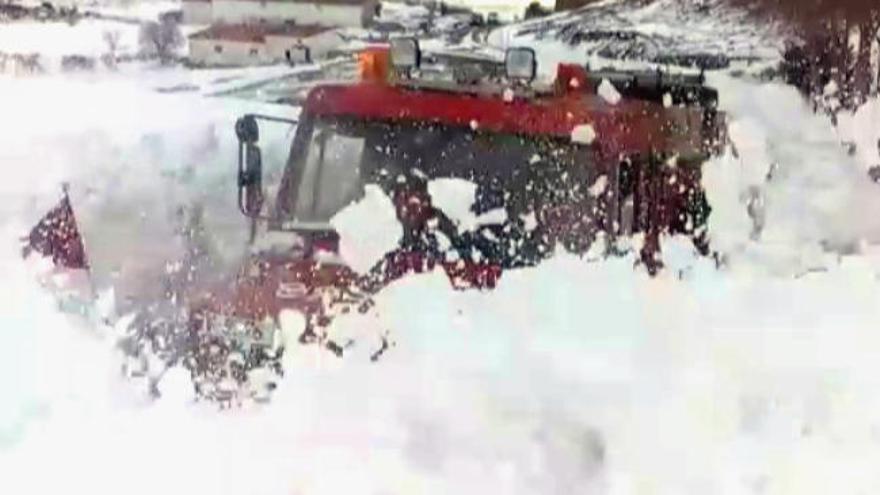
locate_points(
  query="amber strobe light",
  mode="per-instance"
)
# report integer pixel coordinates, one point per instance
(374, 64)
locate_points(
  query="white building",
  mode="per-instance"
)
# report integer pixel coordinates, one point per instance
(341, 13)
(258, 44)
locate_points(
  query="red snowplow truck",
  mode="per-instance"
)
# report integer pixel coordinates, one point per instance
(569, 168)
(581, 166)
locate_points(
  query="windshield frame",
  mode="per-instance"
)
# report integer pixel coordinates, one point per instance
(281, 217)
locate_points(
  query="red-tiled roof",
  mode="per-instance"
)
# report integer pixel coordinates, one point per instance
(256, 33)
(232, 32)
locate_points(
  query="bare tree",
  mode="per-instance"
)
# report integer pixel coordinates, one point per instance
(824, 47)
(160, 39)
(811, 13)
(111, 39)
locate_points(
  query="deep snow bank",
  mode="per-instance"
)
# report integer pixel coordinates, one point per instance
(572, 378)
(809, 196)
(140, 166)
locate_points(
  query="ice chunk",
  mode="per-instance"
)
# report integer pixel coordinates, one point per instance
(608, 92)
(454, 197)
(599, 186)
(367, 229)
(493, 217)
(530, 221)
(584, 134)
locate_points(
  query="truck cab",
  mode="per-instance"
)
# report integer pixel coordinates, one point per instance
(561, 166)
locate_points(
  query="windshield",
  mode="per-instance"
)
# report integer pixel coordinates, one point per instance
(331, 175)
(332, 160)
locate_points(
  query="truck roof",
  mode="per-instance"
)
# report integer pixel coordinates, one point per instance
(630, 126)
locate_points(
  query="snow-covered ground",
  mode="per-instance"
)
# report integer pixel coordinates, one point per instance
(578, 376)
(143, 10)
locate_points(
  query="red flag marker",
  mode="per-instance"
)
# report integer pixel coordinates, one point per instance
(57, 236)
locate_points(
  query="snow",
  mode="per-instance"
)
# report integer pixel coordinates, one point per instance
(608, 92)
(134, 164)
(56, 39)
(583, 134)
(367, 229)
(809, 186)
(143, 10)
(506, 9)
(573, 377)
(404, 14)
(599, 186)
(661, 27)
(861, 129)
(454, 197)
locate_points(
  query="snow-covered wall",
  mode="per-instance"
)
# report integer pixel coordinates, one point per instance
(225, 52)
(319, 44)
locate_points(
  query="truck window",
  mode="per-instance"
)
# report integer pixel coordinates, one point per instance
(331, 175)
(340, 156)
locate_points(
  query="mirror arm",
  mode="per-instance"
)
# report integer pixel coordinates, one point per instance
(272, 118)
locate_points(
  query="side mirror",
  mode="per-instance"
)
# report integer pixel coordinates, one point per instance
(247, 130)
(250, 167)
(250, 182)
(250, 163)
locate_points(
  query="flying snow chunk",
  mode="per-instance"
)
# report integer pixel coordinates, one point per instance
(608, 92)
(368, 229)
(584, 134)
(493, 217)
(508, 95)
(667, 100)
(454, 197)
(598, 187)
(530, 221)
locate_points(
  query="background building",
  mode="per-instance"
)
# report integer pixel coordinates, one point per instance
(259, 44)
(341, 13)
